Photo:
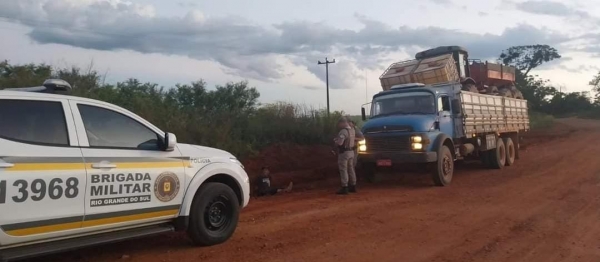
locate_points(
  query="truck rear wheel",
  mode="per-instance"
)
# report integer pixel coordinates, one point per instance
(498, 155)
(484, 156)
(214, 214)
(510, 151)
(444, 167)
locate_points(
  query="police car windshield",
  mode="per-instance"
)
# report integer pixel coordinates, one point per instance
(417, 102)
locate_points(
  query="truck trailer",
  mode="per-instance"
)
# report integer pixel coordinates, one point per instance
(440, 108)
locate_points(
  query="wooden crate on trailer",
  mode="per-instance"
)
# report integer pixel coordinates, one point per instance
(398, 73)
(435, 70)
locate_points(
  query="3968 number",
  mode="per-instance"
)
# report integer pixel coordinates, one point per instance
(40, 189)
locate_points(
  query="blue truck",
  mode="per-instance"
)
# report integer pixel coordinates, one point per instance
(432, 114)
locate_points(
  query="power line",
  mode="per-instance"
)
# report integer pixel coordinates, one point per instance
(326, 63)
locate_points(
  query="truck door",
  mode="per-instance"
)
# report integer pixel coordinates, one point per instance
(42, 175)
(130, 179)
(445, 116)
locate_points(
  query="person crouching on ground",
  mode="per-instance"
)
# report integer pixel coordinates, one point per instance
(264, 184)
(345, 143)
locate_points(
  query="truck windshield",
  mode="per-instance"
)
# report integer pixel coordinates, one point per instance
(403, 103)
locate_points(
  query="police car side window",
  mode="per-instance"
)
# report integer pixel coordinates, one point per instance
(33, 122)
(109, 129)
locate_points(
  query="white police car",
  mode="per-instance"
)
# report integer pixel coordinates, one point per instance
(76, 172)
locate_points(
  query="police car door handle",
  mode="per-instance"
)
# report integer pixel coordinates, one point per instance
(6, 165)
(103, 165)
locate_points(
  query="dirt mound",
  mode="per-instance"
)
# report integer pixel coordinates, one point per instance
(301, 164)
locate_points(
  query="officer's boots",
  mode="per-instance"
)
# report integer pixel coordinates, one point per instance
(352, 189)
(343, 191)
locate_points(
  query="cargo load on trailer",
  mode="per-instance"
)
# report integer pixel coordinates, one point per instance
(450, 64)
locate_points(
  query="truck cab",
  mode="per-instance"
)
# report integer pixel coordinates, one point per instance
(408, 123)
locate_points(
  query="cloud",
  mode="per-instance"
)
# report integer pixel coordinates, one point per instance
(442, 2)
(187, 4)
(550, 8)
(481, 13)
(580, 68)
(246, 49)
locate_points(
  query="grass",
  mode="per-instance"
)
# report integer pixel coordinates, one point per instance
(540, 120)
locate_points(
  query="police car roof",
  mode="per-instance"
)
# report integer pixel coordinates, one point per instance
(28, 94)
(53, 96)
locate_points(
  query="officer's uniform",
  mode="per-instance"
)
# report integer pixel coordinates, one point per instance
(346, 159)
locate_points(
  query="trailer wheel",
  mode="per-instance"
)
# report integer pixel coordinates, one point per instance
(518, 95)
(444, 167)
(471, 88)
(491, 90)
(510, 151)
(506, 92)
(484, 156)
(498, 155)
(517, 147)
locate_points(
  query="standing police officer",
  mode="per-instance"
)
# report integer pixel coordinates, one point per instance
(345, 143)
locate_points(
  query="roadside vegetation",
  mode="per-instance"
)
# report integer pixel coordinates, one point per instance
(231, 118)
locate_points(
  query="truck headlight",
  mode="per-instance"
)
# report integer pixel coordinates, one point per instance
(362, 145)
(418, 142)
(416, 139)
(417, 146)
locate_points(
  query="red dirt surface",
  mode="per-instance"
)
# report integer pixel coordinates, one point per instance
(544, 208)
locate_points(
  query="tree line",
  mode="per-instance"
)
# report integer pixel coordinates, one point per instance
(542, 96)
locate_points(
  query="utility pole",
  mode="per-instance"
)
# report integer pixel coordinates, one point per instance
(326, 63)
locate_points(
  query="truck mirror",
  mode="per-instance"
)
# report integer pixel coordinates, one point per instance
(364, 115)
(456, 106)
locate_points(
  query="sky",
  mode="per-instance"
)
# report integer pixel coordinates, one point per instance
(275, 44)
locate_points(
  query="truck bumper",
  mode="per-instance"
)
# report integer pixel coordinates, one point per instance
(398, 158)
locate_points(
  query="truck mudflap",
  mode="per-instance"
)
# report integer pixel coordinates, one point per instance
(398, 157)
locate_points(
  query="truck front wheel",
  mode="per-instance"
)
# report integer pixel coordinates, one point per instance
(444, 167)
(214, 214)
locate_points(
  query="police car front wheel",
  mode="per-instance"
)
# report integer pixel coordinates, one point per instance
(214, 214)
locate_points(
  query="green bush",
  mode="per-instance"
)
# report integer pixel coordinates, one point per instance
(540, 120)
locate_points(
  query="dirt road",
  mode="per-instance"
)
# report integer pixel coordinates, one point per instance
(545, 208)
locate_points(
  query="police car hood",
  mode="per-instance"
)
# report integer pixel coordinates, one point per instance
(203, 151)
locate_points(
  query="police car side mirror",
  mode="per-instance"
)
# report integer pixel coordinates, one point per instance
(170, 142)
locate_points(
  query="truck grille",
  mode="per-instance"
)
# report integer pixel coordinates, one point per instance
(388, 143)
(390, 128)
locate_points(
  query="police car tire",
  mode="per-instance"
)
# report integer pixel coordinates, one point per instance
(199, 225)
